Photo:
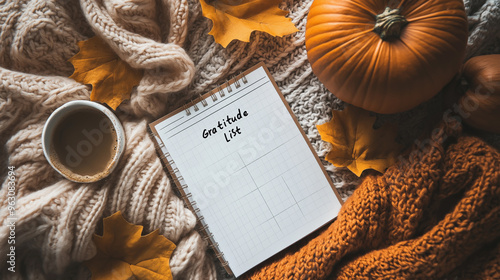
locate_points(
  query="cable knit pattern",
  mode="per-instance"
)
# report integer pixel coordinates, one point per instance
(57, 218)
(167, 66)
(169, 40)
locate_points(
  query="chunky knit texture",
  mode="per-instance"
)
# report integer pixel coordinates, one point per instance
(428, 217)
(169, 40)
(57, 218)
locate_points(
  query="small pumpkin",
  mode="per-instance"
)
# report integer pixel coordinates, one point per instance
(386, 56)
(480, 105)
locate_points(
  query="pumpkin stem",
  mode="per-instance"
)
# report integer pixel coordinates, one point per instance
(389, 23)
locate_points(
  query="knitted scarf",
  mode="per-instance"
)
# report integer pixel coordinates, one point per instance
(434, 215)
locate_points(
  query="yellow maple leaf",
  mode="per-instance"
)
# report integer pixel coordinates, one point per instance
(112, 79)
(122, 253)
(355, 144)
(236, 19)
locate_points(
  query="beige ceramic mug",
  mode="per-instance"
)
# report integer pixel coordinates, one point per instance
(83, 141)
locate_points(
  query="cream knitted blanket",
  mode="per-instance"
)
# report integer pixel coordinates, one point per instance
(168, 39)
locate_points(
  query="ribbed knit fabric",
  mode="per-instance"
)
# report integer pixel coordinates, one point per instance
(169, 40)
(433, 215)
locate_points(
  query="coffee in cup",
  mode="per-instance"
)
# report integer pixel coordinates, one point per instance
(83, 141)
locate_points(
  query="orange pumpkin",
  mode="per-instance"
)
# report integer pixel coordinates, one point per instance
(480, 106)
(386, 56)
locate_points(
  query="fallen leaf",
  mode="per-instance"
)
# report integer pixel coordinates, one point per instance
(112, 79)
(355, 144)
(236, 19)
(122, 253)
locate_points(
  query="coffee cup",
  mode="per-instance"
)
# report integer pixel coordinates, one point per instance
(83, 141)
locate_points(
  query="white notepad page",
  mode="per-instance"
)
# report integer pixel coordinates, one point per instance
(256, 181)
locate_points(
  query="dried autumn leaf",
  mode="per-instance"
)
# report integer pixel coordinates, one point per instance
(236, 19)
(355, 144)
(112, 79)
(122, 253)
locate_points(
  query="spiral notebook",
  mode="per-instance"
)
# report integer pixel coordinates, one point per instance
(246, 169)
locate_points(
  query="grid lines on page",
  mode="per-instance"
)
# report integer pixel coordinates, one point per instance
(255, 179)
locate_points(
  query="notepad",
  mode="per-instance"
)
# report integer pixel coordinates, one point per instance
(246, 169)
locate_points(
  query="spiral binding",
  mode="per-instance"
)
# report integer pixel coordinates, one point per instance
(221, 92)
(186, 108)
(177, 177)
(188, 198)
(244, 79)
(203, 102)
(204, 228)
(213, 94)
(208, 236)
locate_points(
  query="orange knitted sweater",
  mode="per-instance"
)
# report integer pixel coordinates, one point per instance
(435, 215)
